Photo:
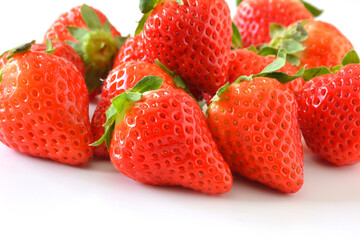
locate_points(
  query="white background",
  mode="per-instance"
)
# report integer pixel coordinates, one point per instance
(41, 199)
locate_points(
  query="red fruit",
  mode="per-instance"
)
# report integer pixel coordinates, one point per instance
(329, 115)
(253, 18)
(256, 130)
(246, 62)
(120, 79)
(192, 39)
(131, 50)
(325, 46)
(89, 32)
(44, 108)
(61, 50)
(161, 138)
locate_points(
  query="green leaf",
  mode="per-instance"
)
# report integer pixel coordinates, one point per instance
(179, 82)
(108, 132)
(119, 102)
(277, 30)
(314, 72)
(282, 77)
(49, 47)
(20, 49)
(351, 57)
(293, 60)
(134, 96)
(292, 46)
(78, 47)
(147, 5)
(278, 63)
(238, 2)
(268, 51)
(244, 78)
(252, 48)
(236, 37)
(219, 92)
(141, 24)
(90, 17)
(298, 33)
(80, 34)
(1, 73)
(121, 40)
(106, 26)
(312, 9)
(335, 69)
(163, 67)
(148, 83)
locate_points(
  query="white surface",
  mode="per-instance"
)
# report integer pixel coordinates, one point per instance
(41, 199)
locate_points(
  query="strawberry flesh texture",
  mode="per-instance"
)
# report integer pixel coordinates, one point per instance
(120, 79)
(193, 40)
(329, 115)
(256, 129)
(44, 108)
(254, 17)
(164, 140)
(325, 46)
(245, 62)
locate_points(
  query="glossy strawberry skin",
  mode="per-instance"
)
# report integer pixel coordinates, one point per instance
(44, 108)
(58, 31)
(329, 115)
(254, 17)
(164, 140)
(192, 40)
(256, 130)
(131, 50)
(325, 46)
(61, 50)
(120, 79)
(245, 62)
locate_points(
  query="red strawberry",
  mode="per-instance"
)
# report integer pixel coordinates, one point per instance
(59, 49)
(89, 32)
(329, 114)
(161, 138)
(131, 50)
(246, 62)
(120, 79)
(253, 17)
(44, 108)
(192, 39)
(325, 46)
(254, 123)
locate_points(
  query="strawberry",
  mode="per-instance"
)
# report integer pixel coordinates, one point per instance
(329, 112)
(131, 50)
(247, 62)
(325, 46)
(44, 107)
(254, 123)
(191, 38)
(253, 17)
(310, 43)
(123, 77)
(57, 48)
(89, 32)
(160, 137)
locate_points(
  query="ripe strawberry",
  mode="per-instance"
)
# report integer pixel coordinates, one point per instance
(325, 46)
(89, 32)
(57, 48)
(253, 17)
(192, 39)
(131, 50)
(123, 77)
(44, 108)
(329, 113)
(246, 62)
(254, 123)
(161, 138)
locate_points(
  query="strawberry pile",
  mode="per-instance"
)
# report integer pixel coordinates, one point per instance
(192, 98)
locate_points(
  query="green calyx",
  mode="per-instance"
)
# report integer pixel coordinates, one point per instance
(289, 39)
(96, 46)
(49, 47)
(350, 58)
(146, 7)
(121, 103)
(312, 9)
(270, 71)
(19, 49)
(238, 2)
(236, 42)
